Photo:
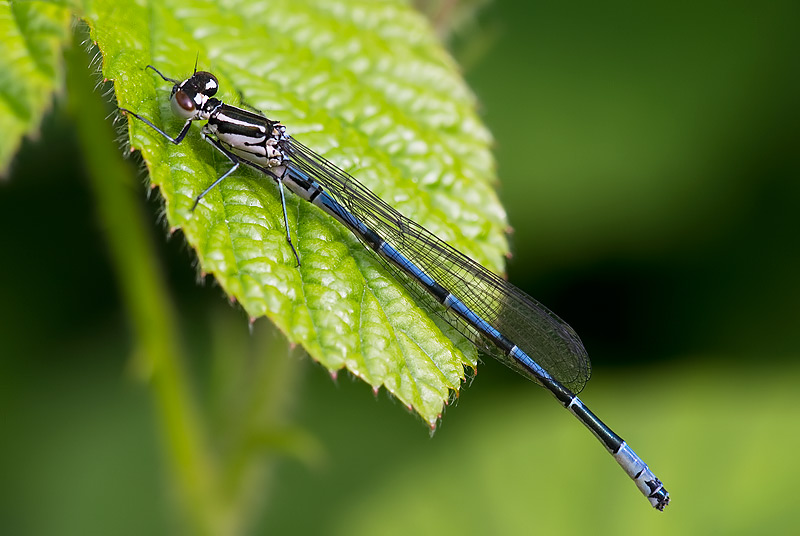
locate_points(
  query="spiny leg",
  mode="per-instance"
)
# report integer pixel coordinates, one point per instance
(286, 221)
(235, 160)
(232, 157)
(167, 78)
(176, 140)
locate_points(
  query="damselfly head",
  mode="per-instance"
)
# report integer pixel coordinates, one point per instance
(190, 96)
(201, 82)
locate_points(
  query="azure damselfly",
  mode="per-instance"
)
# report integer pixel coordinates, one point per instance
(497, 317)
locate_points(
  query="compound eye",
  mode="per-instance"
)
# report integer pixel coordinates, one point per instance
(206, 82)
(184, 101)
(183, 105)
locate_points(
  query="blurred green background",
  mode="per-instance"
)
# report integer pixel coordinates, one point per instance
(649, 167)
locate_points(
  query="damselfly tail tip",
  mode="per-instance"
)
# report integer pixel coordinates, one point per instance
(658, 495)
(647, 482)
(660, 499)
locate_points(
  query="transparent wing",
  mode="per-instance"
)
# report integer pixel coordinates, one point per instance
(537, 331)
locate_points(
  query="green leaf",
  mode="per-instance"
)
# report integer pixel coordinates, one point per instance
(32, 35)
(366, 85)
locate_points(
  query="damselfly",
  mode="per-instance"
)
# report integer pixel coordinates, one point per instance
(496, 316)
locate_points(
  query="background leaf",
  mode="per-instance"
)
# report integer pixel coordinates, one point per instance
(365, 84)
(32, 35)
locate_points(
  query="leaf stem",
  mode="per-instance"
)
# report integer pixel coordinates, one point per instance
(145, 296)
